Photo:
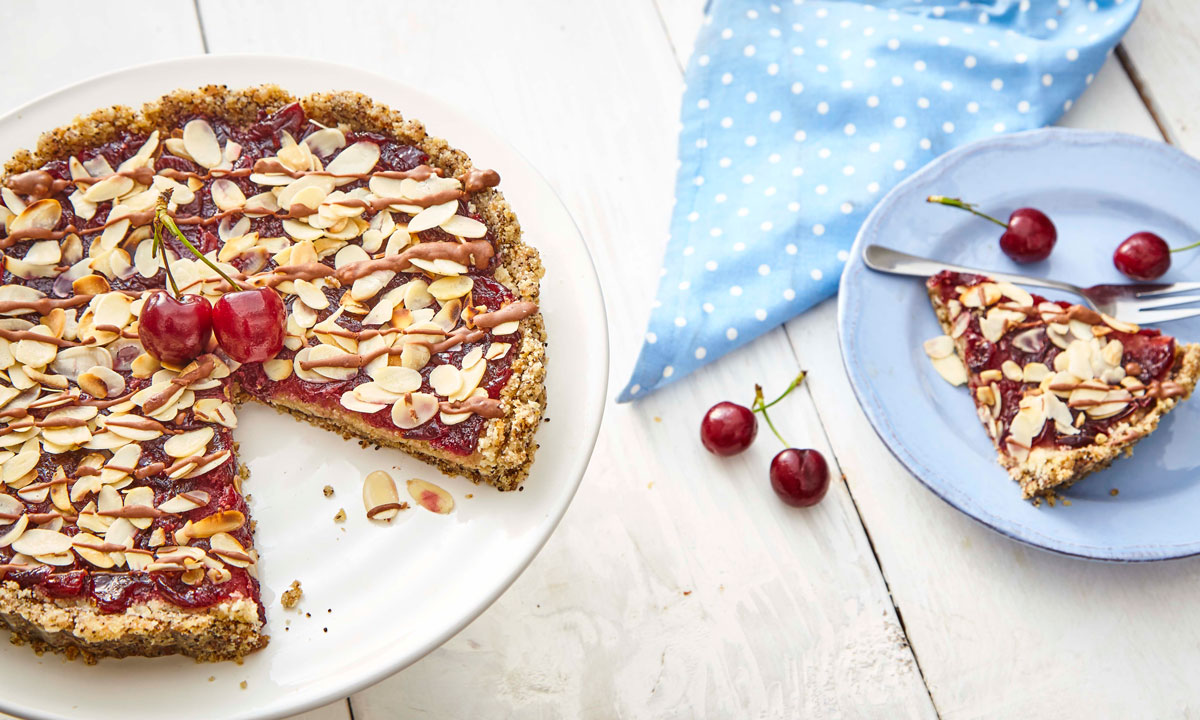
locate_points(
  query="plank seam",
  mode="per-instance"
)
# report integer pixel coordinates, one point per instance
(1144, 94)
(870, 540)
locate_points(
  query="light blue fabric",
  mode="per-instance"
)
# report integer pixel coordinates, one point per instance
(798, 117)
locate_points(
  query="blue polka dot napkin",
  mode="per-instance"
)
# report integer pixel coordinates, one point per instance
(799, 116)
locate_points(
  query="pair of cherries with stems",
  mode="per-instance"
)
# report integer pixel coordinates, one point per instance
(799, 477)
(176, 327)
(1029, 236)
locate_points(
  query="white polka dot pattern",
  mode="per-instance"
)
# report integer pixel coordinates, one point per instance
(798, 115)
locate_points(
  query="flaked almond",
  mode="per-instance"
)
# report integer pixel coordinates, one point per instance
(200, 142)
(380, 497)
(413, 410)
(226, 547)
(277, 369)
(445, 380)
(188, 443)
(219, 522)
(36, 541)
(14, 532)
(1012, 371)
(431, 497)
(951, 369)
(185, 502)
(939, 347)
(397, 379)
(449, 288)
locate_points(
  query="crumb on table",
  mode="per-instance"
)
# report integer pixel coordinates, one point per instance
(341, 515)
(328, 490)
(291, 596)
(243, 684)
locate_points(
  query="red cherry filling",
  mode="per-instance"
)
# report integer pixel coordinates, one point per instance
(1143, 256)
(175, 330)
(250, 324)
(728, 428)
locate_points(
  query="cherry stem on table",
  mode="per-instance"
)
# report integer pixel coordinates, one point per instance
(760, 404)
(163, 217)
(956, 202)
(1185, 247)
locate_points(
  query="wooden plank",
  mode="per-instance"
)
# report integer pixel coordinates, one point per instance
(677, 583)
(1161, 49)
(109, 35)
(1001, 630)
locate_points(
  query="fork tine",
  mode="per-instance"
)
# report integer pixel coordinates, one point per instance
(1154, 317)
(1173, 288)
(1166, 301)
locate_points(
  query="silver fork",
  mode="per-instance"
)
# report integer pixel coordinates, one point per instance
(1137, 303)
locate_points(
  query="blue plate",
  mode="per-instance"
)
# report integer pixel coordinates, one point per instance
(1098, 188)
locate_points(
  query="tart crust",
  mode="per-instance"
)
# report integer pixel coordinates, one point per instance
(505, 448)
(1048, 470)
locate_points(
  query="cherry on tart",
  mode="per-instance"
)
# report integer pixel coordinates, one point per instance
(250, 324)
(1062, 390)
(1143, 256)
(359, 273)
(1028, 236)
(175, 330)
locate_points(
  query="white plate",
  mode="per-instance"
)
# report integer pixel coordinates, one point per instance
(395, 592)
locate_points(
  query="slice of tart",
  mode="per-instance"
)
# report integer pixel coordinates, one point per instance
(1061, 389)
(412, 321)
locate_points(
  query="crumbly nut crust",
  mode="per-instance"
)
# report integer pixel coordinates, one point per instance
(227, 631)
(1047, 470)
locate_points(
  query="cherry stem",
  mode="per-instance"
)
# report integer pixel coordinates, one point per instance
(956, 202)
(761, 405)
(160, 210)
(161, 215)
(1185, 247)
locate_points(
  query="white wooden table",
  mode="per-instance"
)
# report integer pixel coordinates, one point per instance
(678, 585)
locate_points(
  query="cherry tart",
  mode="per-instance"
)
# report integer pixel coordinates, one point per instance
(383, 293)
(1061, 389)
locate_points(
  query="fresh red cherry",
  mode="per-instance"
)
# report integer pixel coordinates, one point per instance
(175, 330)
(800, 477)
(1143, 256)
(1029, 236)
(728, 428)
(250, 324)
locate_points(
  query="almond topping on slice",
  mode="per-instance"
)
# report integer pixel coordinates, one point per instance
(431, 497)
(380, 497)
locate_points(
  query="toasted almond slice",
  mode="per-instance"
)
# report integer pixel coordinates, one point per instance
(35, 541)
(227, 196)
(1119, 326)
(939, 347)
(200, 142)
(21, 464)
(449, 288)
(189, 443)
(356, 159)
(433, 216)
(325, 141)
(228, 549)
(399, 380)
(951, 369)
(224, 521)
(311, 295)
(351, 402)
(464, 227)
(471, 376)
(15, 532)
(507, 328)
(140, 497)
(323, 353)
(431, 497)
(445, 380)
(85, 545)
(380, 497)
(207, 467)
(368, 286)
(412, 356)
(109, 188)
(414, 410)
(497, 350)
(278, 370)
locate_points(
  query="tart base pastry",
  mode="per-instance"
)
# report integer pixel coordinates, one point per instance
(1061, 390)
